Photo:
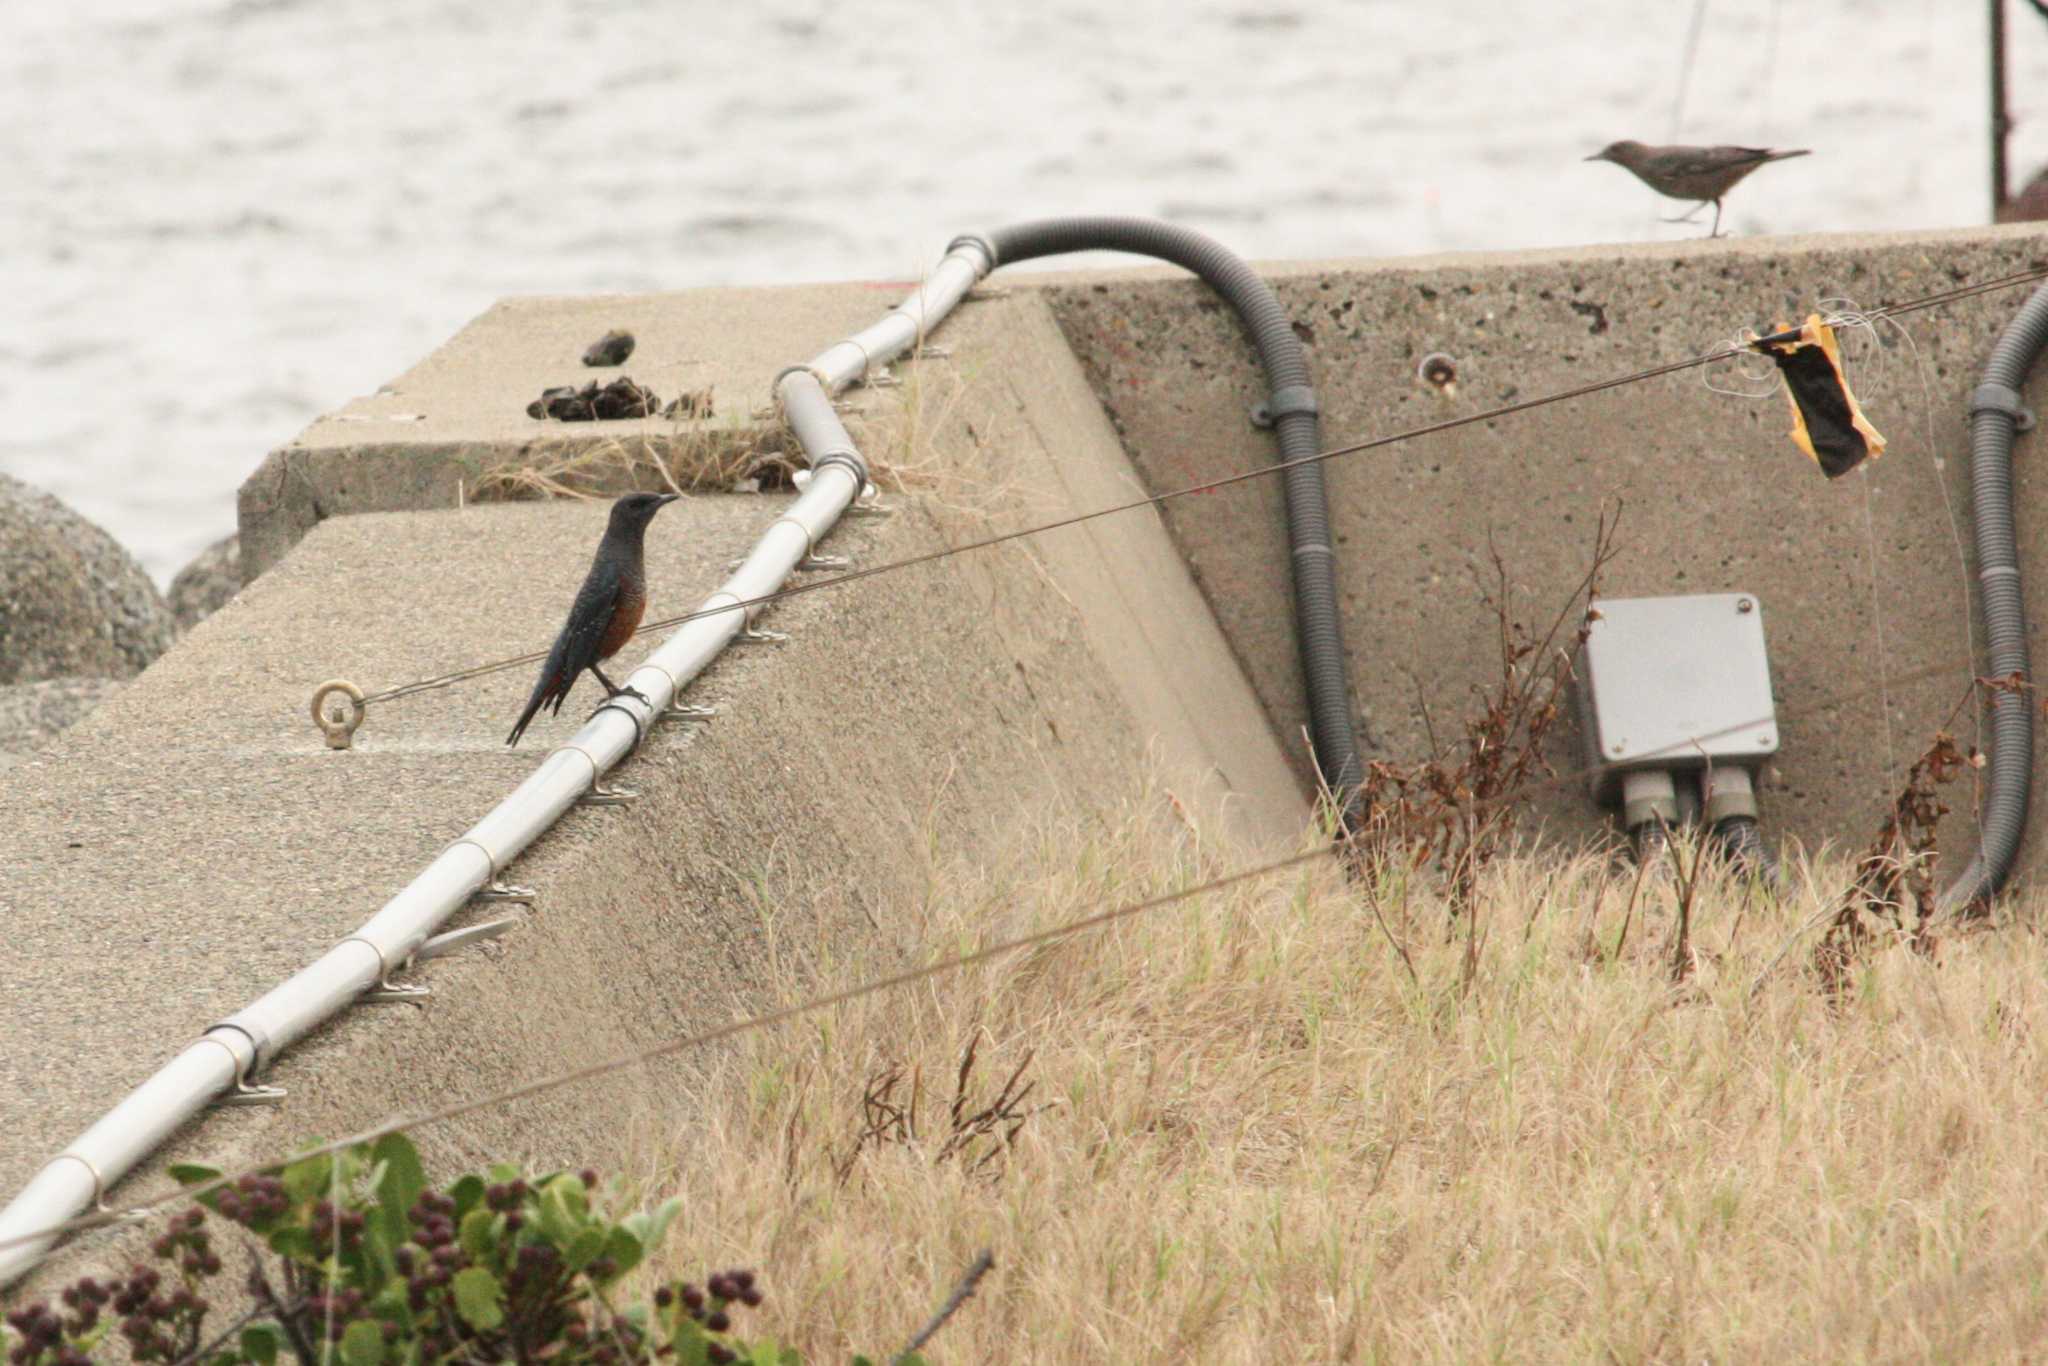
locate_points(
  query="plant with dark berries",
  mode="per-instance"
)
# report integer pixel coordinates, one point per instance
(352, 1258)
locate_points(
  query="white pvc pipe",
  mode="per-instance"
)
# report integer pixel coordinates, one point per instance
(79, 1177)
(965, 263)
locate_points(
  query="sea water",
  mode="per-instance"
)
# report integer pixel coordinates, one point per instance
(218, 219)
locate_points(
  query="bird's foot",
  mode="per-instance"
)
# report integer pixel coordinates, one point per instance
(634, 693)
(1689, 217)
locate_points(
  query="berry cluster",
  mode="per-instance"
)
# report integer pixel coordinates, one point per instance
(255, 1202)
(162, 1323)
(708, 1306)
(498, 1271)
(336, 1230)
(505, 1197)
(429, 1262)
(46, 1335)
(159, 1319)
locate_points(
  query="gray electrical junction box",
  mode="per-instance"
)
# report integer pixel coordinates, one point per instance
(1675, 683)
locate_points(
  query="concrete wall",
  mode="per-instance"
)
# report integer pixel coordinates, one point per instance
(426, 438)
(1714, 496)
(193, 842)
(1861, 579)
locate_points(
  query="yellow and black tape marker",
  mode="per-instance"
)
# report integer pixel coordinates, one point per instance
(1826, 422)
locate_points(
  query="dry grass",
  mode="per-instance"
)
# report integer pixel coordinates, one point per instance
(1264, 1140)
(935, 436)
(692, 456)
(899, 428)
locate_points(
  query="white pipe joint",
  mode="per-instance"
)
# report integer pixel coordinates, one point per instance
(976, 249)
(1726, 790)
(816, 425)
(967, 261)
(844, 363)
(1648, 795)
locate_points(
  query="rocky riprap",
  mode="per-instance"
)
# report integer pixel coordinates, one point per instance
(79, 617)
(72, 601)
(204, 586)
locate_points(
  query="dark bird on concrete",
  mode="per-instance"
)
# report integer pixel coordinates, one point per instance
(1703, 174)
(606, 612)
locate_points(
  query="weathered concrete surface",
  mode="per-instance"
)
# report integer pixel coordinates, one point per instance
(194, 841)
(990, 444)
(1864, 592)
(1022, 442)
(32, 713)
(427, 437)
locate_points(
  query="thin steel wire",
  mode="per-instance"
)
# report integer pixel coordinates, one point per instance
(767, 1019)
(1066, 929)
(1263, 471)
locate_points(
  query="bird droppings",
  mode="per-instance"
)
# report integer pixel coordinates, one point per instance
(621, 398)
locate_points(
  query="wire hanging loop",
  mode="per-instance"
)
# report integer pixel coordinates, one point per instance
(338, 723)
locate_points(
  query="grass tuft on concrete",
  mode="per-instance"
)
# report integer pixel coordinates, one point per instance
(1254, 1135)
(693, 456)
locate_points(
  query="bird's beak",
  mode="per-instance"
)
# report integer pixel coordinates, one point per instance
(1597, 156)
(666, 499)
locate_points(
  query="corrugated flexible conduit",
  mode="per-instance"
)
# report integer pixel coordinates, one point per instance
(1996, 412)
(1291, 408)
(225, 1056)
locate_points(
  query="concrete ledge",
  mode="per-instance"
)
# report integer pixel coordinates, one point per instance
(1008, 425)
(434, 431)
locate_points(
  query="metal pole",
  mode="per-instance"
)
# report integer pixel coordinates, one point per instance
(2001, 122)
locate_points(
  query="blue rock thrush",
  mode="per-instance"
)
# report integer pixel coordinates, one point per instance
(606, 612)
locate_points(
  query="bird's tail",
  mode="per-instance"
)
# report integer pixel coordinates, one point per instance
(541, 690)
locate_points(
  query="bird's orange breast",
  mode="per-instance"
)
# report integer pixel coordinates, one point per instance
(627, 610)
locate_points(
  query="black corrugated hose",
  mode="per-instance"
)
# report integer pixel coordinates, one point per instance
(1648, 841)
(1292, 408)
(1742, 841)
(1995, 415)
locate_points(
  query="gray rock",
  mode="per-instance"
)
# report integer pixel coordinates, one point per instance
(72, 601)
(214, 576)
(30, 713)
